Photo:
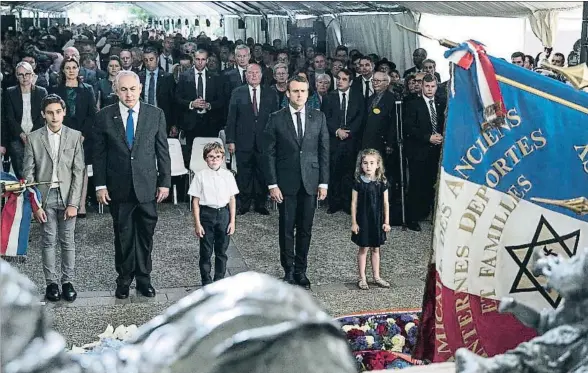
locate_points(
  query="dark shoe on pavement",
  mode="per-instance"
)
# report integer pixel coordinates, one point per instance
(332, 210)
(243, 211)
(68, 292)
(289, 277)
(122, 292)
(414, 226)
(52, 293)
(146, 290)
(302, 280)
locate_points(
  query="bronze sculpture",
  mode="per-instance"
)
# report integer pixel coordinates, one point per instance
(246, 323)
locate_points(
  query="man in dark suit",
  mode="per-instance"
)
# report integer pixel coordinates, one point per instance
(249, 110)
(236, 77)
(296, 166)
(344, 111)
(424, 121)
(422, 65)
(199, 94)
(129, 137)
(363, 84)
(380, 116)
(159, 86)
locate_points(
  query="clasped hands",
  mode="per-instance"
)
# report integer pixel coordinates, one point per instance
(436, 139)
(276, 194)
(342, 134)
(199, 103)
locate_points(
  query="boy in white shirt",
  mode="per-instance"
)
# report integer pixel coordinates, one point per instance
(213, 190)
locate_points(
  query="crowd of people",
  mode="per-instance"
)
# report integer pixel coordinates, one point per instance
(300, 125)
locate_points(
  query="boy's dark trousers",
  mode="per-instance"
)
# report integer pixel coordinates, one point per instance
(215, 223)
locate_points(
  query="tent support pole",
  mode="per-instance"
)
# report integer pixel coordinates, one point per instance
(584, 38)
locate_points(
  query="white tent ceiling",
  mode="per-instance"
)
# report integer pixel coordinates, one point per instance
(291, 8)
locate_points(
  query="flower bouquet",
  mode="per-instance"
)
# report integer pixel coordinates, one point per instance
(382, 341)
(111, 339)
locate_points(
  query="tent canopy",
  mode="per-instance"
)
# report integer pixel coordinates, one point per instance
(317, 8)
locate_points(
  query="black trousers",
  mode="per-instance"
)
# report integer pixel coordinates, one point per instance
(250, 180)
(134, 225)
(296, 213)
(342, 167)
(421, 190)
(16, 149)
(215, 223)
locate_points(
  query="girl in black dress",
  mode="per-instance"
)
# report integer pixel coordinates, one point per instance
(369, 213)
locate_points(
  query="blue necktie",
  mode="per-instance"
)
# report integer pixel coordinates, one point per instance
(130, 129)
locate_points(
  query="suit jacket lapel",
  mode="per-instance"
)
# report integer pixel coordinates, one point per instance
(308, 125)
(45, 141)
(290, 125)
(119, 126)
(138, 126)
(62, 142)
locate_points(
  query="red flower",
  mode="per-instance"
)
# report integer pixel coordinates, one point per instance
(382, 329)
(354, 333)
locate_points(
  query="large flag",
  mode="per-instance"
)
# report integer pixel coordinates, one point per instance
(507, 196)
(17, 213)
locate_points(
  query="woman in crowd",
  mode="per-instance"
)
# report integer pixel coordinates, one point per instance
(529, 63)
(80, 112)
(281, 78)
(322, 82)
(22, 110)
(106, 93)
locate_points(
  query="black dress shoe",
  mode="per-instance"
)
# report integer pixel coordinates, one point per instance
(242, 211)
(262, 211)
(68, 292)
(146, 291)
(52, 293)
(122, 292)
(414, 226)
(81, 216)
(289, 278)
(302, 280)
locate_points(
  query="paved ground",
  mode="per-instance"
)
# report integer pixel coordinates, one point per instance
(332, 268)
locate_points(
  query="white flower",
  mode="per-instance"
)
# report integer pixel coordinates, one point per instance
(77, 350)
(391, 321)
(120, 332)
(364, 327)
(370, 340)
(130, 332)
(108, 333)
(409, 326)
(347, 328)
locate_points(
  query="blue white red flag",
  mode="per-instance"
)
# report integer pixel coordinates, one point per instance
(16, 218)
(507, 196)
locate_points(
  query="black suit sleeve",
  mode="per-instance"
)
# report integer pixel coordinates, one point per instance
(162, 154)
(182, 93)
(90, 115)
(323, 152)
(38, 120)
(231, 131)
(217, 100)
(413, 126)
(327, 109)
(13, 127)
(100, 155)
(269, 151)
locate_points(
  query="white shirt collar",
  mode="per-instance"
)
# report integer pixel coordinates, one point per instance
(367, 80)
(346, 92)
(258, 88)
(428, 99)
(156, 72)
(203, 72)
(294, 111)
(51, 133)
(124, 109)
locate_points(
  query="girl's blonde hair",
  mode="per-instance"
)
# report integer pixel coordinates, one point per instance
(380, 171)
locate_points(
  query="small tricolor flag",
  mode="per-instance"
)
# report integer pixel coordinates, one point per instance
(16, 218)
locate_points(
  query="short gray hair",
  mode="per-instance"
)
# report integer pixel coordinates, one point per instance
(280, 66)
(323, 77)
(123, 73)
(242, 46)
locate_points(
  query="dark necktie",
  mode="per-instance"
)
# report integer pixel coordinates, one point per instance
(367, 89)
(130, 129)
(344, 112)
(167, 64)
(244, 81)
(433, 116)
(200, 92)
(299, 127)
(151, 93)
(255, 101)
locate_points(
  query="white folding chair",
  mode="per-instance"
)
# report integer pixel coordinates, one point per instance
(177, 163)
(90, 172)
(197, 162)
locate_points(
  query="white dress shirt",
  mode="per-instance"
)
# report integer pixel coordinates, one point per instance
(241, 74)
(302, 112)
(162, 62)
(147, 80)
(257, 95)
(124, 114)
(54, 142)
(213, 188)
(203, 72)
(27, 120)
